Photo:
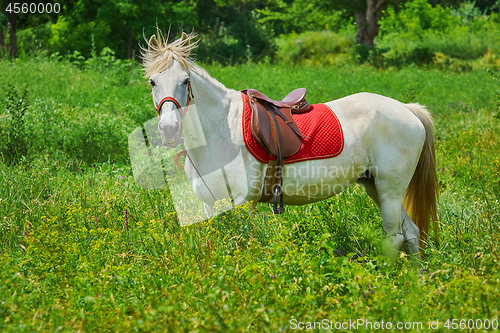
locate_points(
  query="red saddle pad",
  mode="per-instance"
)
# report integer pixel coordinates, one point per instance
(320, 124)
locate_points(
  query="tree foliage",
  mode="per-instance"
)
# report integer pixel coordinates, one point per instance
(231, 33)
(417, 16)
(117, 24)
(232, 30)
(486, 6)
(229, 28)
(285, 16)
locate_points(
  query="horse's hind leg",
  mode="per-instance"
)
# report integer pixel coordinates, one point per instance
(411, 233)
(410, 230)
(368, 183)
(390, 207)
(397, 230)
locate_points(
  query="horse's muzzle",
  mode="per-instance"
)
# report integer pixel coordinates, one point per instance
(170, 134)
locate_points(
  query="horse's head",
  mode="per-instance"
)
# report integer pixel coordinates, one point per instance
(168, 68)
(171, 89)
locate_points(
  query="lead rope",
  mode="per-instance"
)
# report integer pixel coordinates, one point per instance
(194, 166)
(190, 96)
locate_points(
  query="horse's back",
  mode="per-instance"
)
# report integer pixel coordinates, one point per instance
(364, 113)
(380, 128)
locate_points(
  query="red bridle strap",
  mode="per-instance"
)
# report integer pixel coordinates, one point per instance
(177, 104)
(167, 99)
(183, 113)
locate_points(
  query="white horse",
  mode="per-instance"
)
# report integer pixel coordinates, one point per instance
(388, 146)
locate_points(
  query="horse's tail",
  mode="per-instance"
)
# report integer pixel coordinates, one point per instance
(422, 193)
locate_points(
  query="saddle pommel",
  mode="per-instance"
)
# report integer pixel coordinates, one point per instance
(296, 100)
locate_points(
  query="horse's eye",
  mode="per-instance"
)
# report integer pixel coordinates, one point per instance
(186, 81)
(152, 83)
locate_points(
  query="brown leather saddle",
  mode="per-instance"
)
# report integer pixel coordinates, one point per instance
(274, 128)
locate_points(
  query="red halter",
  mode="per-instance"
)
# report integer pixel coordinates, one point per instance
(173, 100)
(183, 113)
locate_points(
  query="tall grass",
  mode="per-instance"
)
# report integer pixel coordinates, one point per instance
(69, 115)
(83, 248)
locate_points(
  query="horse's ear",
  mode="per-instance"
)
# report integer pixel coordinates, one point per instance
(152, 42)
(185, 39)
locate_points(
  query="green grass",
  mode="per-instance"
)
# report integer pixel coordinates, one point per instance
(83, 248)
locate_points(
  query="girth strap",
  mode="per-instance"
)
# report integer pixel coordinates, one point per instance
(274, 128)
(278, 191)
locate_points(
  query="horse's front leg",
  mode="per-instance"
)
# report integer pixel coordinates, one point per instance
(209, 210)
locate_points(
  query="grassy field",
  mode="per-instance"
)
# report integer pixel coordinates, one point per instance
(82, 248)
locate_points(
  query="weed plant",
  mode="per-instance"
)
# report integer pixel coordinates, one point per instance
(495, 76)
(83, 248)
(13, 134)
(69, 116)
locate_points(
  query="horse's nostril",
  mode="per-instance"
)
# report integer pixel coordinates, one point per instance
(169, 129)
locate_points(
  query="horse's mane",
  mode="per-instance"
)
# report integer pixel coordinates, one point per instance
(160, 55)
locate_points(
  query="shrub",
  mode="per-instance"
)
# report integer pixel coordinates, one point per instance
(74, 112)
(317, 48)
(300, 16)
(416, 17)
(236, 43)
(13, 142)
(33, 41)
(401, 54)
(495, 76)
(420, 32)
(448, 63)
(90, 134)
(66, 36)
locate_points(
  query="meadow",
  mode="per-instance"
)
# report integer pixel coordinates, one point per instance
(82, 248)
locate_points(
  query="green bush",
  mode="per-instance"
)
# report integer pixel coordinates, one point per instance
(317, 48)
(416, 17)
(77, 133)
(73, 107)
(444, 62)
(420, 32)
(299, 16)
(13, 134)
(239, 42)
(67, 36)
(33, 41)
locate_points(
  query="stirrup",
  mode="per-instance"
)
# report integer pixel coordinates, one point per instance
(278, 192)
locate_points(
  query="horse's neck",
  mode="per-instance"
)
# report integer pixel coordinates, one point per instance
(211, 93)
(213, 103)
